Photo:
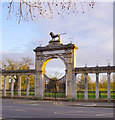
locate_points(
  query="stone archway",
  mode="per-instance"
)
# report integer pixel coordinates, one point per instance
(46, 60)
(55, 49)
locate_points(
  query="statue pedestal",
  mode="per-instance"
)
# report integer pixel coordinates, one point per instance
(55, 43)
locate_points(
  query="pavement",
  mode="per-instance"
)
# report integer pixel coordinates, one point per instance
(87, 104)
(61, 103)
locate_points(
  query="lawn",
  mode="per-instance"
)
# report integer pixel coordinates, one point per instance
(79, 95)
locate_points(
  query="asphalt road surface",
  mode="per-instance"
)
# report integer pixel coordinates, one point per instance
(13, 110)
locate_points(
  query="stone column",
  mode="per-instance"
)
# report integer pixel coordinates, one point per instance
(1, 81)
(43, 82)
(35, 85)
(39, 81)
(12, 86)
(27, 90)
(19, 88)
(97, 86)
(74, 86)
(86, 87)
(109, 86)
(39, 85)
(69, 81)
(69, 73)
(4, 86)
(7, 82)
(66, 83)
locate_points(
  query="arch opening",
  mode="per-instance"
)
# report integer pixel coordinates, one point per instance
(53, 75)
(54, 67)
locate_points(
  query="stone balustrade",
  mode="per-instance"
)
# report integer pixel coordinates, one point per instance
(12, 73)
(76, 71)
(97, 70)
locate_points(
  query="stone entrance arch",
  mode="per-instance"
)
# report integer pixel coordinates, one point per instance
(55, 49)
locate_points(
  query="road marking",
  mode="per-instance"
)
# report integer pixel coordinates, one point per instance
(106, 114)
(69, 112)
(35, 104)
(91, 105)
(21, 110)
(7, 106)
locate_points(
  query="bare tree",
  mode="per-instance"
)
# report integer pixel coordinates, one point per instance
(34, 9)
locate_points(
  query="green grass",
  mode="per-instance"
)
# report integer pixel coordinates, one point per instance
(92, 94)
(52, 94)
(22, 93)
(79, 95)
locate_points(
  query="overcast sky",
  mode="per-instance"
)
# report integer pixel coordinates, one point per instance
(92, 32)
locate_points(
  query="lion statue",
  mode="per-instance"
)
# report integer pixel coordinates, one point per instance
(54, 36)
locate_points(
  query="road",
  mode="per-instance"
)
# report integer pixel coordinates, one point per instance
(14, 110)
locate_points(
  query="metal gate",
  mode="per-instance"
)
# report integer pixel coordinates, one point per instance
(54, 88)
